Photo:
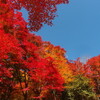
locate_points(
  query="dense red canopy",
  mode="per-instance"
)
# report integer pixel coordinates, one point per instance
(40, 11)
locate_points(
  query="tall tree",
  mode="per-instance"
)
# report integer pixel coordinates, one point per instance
(23, 71)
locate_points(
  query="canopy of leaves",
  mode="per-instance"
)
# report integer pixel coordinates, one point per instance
(80, 89)
(40, 11)
(58, 54)
(94, 64)
(23, 71)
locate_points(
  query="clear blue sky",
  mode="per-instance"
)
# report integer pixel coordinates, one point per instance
(76, 29)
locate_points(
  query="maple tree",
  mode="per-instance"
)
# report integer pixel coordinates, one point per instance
(79, 68)
(58, 54)
(94, 64)
(23, 71)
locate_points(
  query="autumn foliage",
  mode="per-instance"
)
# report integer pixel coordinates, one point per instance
(33, 69)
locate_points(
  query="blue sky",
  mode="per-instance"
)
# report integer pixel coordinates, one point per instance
(76, 29)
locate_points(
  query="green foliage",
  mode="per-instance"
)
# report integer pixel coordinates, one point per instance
(80, 89)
